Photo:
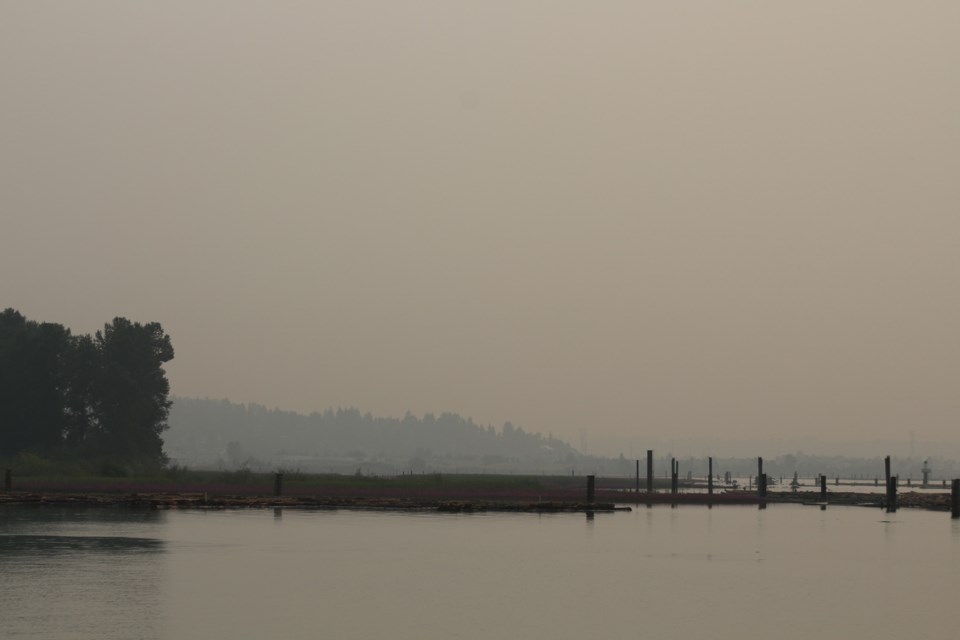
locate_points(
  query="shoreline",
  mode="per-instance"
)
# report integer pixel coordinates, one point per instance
(216, 502)
(608, 501)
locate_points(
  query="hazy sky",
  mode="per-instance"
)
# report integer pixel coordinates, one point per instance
(647, 219)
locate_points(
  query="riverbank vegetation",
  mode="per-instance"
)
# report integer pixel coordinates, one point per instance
(97, 403)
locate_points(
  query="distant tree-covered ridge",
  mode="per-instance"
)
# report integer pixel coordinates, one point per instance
(208, 432)
(102, 397)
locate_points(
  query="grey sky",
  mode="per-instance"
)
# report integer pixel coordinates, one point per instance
(646, 219)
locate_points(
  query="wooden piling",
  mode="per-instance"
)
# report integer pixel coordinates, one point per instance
(710, 476)
(886, 474)
(892, 495)
(8, 480)
(760, 477)
(823, 488)
(590, 488)
(674, 476)
(278, 484)
(638, 477)
(649, 470)
(955, 498)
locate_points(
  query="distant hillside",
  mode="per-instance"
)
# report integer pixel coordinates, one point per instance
(220, 433)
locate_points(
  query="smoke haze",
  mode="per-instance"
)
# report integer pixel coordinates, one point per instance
(626, 220)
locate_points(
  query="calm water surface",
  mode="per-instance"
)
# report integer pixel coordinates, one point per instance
(787, 572)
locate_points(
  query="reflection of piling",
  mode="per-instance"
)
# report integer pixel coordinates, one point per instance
(591, 483)
(278, 484)
(649, 470)
(8, 480)
(955, 498)
(710, 476)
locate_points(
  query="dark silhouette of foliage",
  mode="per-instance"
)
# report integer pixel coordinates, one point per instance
(100, 397)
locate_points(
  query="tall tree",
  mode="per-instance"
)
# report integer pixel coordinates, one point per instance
(103, 396)
(80, 402)
(131, 391)
(34, 382)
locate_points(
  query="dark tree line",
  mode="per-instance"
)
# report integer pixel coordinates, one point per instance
(102, 397)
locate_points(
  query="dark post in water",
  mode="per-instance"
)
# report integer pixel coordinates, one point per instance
(649, 470)
(710, 476)
(674, 475)
(278, 484)
(823, 487)
(955, 498)
(638, 476)
(8, 480)
(886, 474)
(892, 495)
(590, 487)
(761, 479)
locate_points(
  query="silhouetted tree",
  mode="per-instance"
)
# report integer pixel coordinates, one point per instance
(102, 396)
(34, 381)
(131, 391)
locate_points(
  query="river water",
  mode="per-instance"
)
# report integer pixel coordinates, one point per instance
(786, 572)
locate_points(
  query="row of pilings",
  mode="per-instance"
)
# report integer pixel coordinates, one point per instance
(890, 501)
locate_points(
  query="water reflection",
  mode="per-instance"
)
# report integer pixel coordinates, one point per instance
(20, 545)
(296, 574)
(81, 572)
(57, 518)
